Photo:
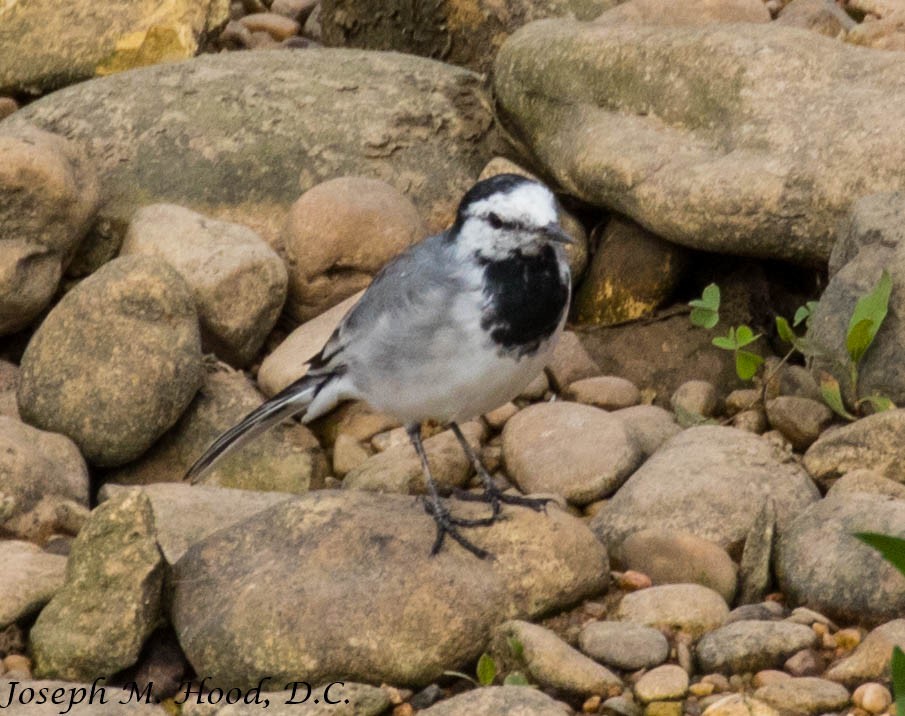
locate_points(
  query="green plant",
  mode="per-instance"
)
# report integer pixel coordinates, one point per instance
(865, 322)
(893, 551)
(486, 670)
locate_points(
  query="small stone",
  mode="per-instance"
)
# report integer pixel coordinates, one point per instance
(297, 10)
(496, 700)
(663, 708)
(7, 106)
(867, 481)
(591, 704)
(741, 400)
(396, 437)
(808, 617)
(663, 683)
(536, 389)
(29, 577)
(632, 581)
(769, 676)
(621, 706)
(701, 689)
(623, 645)
(872, 697)
(719, 681)
(870, 660)
(806, 662)
(570, 362)
(607, 392)
(739, 705)
(688, 608)
(678, 557)
(748, 646)
(805, 694)
(755, 569)
(497, 417)
(279, 27)
(648, 426)
(801, 420)
(235, 36)
(18, 662)
(849, 638)
(348, 454)
(403, 710)
(695, 397)
(751, 421)
(762, 611)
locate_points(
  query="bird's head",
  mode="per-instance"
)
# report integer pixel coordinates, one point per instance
(506, 214)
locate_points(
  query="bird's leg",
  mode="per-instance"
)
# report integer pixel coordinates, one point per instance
(492, 493)
(446, 523)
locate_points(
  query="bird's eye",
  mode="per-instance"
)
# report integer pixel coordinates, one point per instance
(495, 221)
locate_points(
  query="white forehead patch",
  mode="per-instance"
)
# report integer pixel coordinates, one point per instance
(528, 204)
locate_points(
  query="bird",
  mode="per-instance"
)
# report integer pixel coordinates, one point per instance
(455, 326)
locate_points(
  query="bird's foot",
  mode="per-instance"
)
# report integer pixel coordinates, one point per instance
(448, 525)
(496, 497)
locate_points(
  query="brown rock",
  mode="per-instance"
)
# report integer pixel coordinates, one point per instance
(695, 397)
(800, 420)
(648, 426)
(607, 392)
(818, 16)
(696, 12)
(278, 26)
(632, 273)
(870, 660)
(570, 362)
(239, 283)
(339, 234)
(48, 197)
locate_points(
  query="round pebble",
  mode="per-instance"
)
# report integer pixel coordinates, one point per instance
(667, 682)
(623, 645)
(695, 397)
(872, 697)
(688, 608)
(608, 392)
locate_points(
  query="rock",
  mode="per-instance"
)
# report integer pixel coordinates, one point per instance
(279, 27)
(536, 389)
(185, 514)
(298, 10)
(751, 421)
(623, 645)
(115, 362)
(677, 557)
(867, 480)
(239, 283)
(800, 420)
(468, 36)
(873, 698)
(739, 705)
(886, 33)
(844, 579)
(688, 608)
(817, 16)
(607, 392)
(719, 476)
(9, 383)
(110, 706)
(36, 465)
(129, 35)
(738, 401)
(110, 602)
(48, 197)
(570, 362)
(870, 443)
(667, 682)
(870, 660)
(762, 611)
(577, 251)
(648, 426)
(549, 661)
(398, 469)
(695, 12)
(286, 458)
(227, 105)
(871, 240)
(289, 361)
(748, 646)
(755, 568)
(435, 611)
(633, 272)
(709, 169)
(29, 577)
(348, 454)
(660, 355)
(499, 701)
(804, 695)
(695, 398)
(573, 450)
(806, 662)
(7, 106)
(339, 234)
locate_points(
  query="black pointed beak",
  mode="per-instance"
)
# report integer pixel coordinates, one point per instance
(555, 233)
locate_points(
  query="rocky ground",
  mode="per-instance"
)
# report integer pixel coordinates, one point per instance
(176, 238)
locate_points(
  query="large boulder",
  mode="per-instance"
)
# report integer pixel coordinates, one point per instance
(366, 600)
(87, 42)
(679, 127)
(116, 361)
(239, 136)
(710, 481)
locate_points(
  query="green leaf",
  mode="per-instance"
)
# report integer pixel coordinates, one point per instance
(516, 678)
(879, 403)
(744, 336)
(726, 342)
(746, 364)
(871, 308)
(785, 330)
(516, 648)
(858, 339)
(459, 675)
(705, 310)
(486, 670)
(832, 395)
(892, 548)
(897, 667)
(805, 313)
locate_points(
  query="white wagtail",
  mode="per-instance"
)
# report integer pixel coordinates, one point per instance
(455, 326)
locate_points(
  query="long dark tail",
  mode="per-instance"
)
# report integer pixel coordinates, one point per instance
(289, 401)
